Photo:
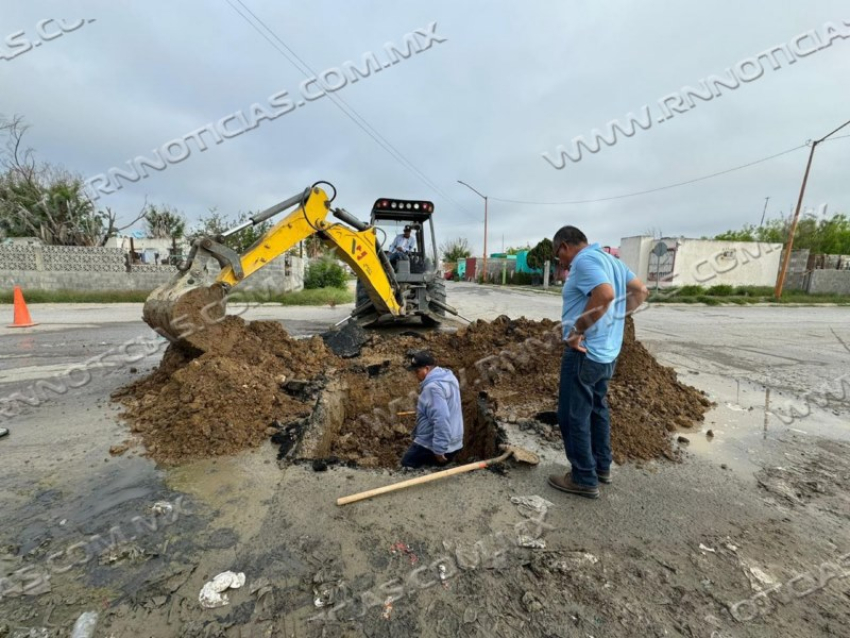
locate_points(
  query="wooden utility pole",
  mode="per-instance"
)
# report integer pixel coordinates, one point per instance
(764, 212)
(780, 281)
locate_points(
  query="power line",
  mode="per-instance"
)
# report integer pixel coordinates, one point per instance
(651, 190)
(847, 123)
(349, 111)
(669, 186)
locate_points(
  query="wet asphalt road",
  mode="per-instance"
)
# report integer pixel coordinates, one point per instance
(59, 484)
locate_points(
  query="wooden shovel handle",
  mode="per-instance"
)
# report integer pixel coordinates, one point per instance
(436, 476)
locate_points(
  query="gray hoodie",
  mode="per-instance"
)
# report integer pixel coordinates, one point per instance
(439, 417)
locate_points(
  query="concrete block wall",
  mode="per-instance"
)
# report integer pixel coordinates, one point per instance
(82, 268)
(17, 257)
(61, 258)
(797, 277)
(70, 280)
(81, 259)
(154, 268)
(828, 282)
(282, 274)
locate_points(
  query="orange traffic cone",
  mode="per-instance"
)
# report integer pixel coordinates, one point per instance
(22, 315)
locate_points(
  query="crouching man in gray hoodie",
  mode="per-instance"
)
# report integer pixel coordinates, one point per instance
(438, 435)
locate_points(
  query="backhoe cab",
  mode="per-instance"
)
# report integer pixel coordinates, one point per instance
(418, 282)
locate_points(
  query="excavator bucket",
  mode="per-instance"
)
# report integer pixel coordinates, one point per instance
(191, 301)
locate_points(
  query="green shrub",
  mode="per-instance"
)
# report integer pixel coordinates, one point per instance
(78, 296)
(708, 301)
(325, 273)
(689, 291)
(317, 297)
(721, 290)
(760, 291)
(754, 291)
(522, 279)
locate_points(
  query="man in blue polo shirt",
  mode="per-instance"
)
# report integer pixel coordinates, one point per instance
(598, 294)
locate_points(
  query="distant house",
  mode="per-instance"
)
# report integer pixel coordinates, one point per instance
(681, 261)
(149, 250)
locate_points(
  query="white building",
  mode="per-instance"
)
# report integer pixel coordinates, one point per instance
(149, 250)
(702, 262)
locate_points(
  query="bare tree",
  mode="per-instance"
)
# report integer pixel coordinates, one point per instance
(41, 200)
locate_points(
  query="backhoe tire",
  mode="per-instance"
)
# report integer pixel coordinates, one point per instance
(361, 300)
(360, 294)
(436, 290)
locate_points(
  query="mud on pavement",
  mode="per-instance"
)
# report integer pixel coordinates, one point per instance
(683, 549)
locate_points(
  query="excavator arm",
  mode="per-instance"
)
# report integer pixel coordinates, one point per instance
(197, 295)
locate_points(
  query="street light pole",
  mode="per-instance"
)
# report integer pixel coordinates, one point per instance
(780, 281)
(764, 212)
(484, 197)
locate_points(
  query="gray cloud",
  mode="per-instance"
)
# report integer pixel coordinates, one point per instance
(512, 81)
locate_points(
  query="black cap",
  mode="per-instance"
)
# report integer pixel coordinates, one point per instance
(406, 228)
(421, 359)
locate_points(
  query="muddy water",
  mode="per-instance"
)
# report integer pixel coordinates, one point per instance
(237, 489)
(746, 419)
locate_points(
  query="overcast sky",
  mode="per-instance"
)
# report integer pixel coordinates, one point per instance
(509, 82)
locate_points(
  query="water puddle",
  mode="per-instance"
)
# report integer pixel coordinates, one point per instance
(750, 419)
(238, 489)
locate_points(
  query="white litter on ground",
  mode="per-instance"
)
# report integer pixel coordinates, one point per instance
(532, 543)
(162, 508)
(534, 503)
(211, 595)
(759, 579)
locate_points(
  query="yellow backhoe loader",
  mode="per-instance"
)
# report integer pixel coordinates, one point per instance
(197, 294)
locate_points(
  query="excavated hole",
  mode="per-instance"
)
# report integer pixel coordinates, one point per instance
(254, 381)
(365, 419)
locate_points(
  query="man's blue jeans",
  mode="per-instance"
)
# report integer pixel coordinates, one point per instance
(420, 456)
(397, 256)
(583, 415)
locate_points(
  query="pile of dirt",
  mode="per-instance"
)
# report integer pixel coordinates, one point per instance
(227, 397)
(243, 381)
